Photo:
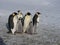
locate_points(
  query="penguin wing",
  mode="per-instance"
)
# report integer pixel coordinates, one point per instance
(10, 22)
(35, 19)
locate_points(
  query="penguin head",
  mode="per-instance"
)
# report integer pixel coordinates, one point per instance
(28, 13)
(38, 13)
(19, 12)
(14, 13)
(20, 15)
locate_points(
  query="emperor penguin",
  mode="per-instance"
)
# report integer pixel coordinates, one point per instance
(15, 19)
(10, 22)
(35, 21)
(27, 20)
(36, 18)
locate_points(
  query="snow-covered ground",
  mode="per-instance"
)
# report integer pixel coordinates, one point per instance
(48, 32)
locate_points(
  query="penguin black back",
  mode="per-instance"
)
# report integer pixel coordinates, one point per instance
(10, 22)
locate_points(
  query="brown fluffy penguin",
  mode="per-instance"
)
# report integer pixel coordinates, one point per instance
(27, 20)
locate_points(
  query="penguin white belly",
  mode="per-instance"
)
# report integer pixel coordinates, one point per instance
(15, 24)
(26, 23)
(37, 21)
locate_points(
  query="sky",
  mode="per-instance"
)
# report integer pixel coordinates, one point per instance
(49, 9)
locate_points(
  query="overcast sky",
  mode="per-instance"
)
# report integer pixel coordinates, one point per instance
(50, 9)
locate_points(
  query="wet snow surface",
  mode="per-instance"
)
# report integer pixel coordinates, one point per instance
(47, 34)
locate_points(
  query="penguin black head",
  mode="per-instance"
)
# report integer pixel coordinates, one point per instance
(38, 13)
(18, 11)
(28, 13)
(14, 13)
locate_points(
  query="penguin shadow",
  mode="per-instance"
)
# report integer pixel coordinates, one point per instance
(7, 26)
(8, 29)
(2, 42)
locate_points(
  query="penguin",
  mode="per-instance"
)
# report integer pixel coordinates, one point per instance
(19, 21)
(35, 21)
(36, 18)
(20, 14)
(27, 20)
(10, 21)
(14, 25)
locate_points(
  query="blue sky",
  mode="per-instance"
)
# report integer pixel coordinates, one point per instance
(50, 9)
